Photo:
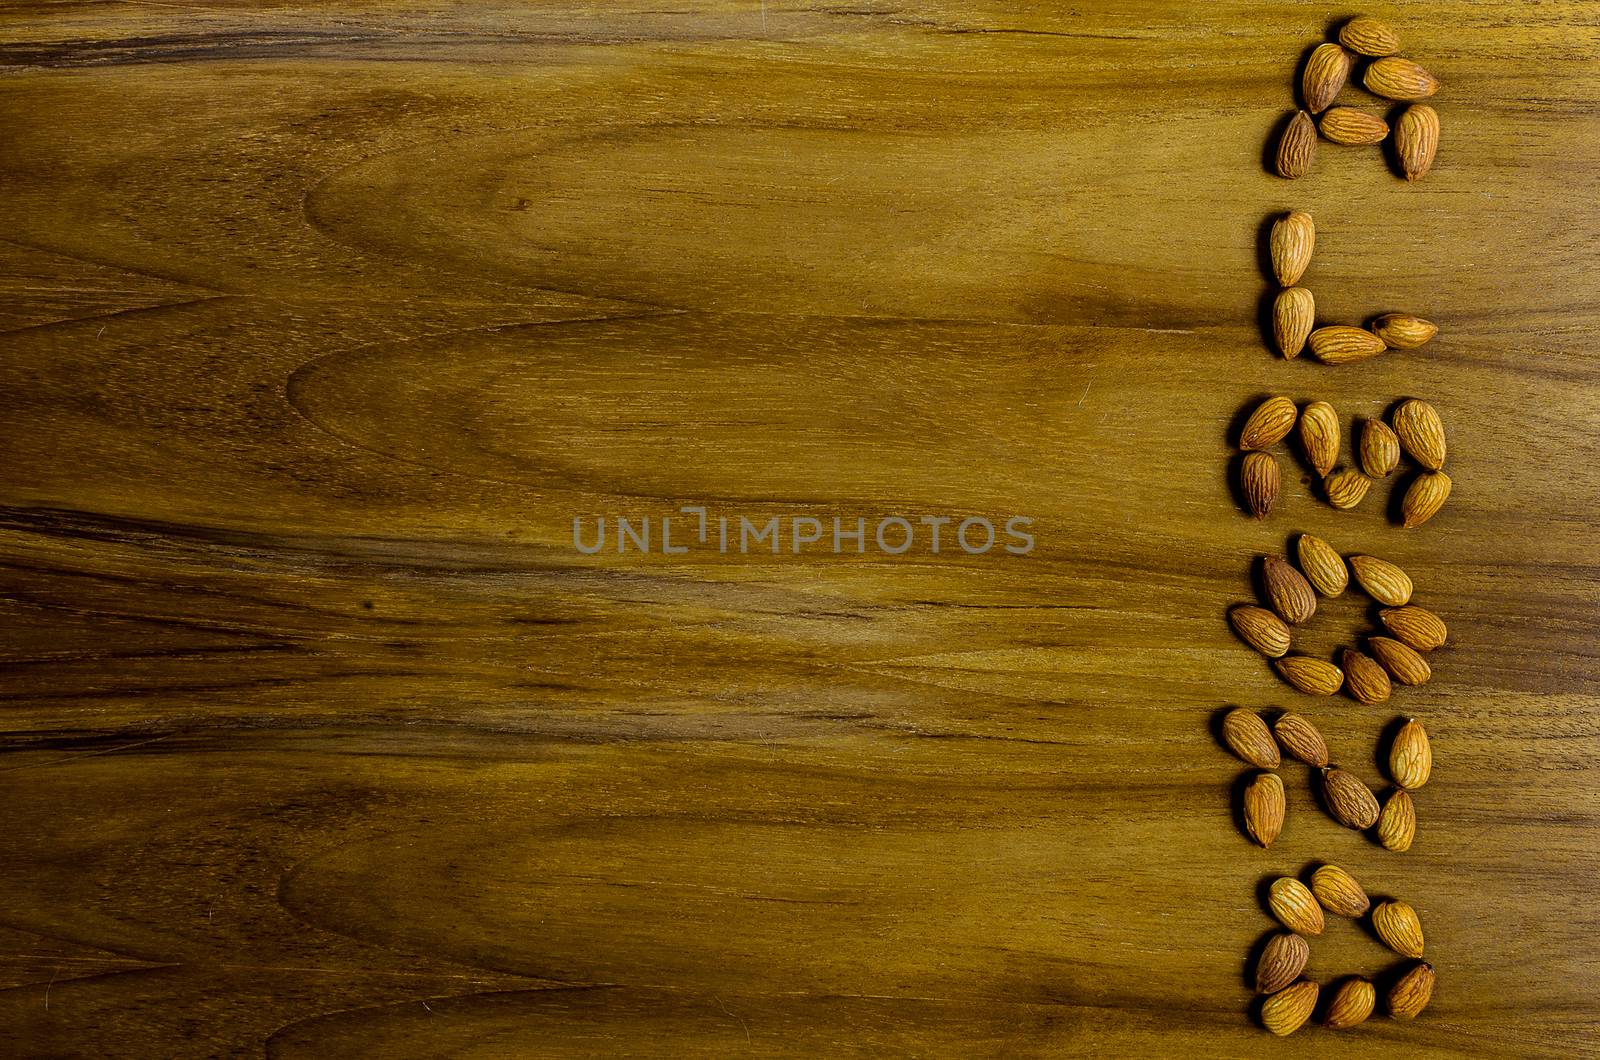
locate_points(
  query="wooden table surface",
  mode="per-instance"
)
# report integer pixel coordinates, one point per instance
(322, 322)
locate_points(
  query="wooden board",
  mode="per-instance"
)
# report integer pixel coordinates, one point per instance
(323, 322)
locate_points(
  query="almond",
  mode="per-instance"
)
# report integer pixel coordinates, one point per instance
(1394, 78)
(1298, 147)
(1339, 892)
(1294, 236)
(1397, 925)
(1324, 568)
(1261, 629)
(1268, 424)
(1402, 661)
(1282, 960)
(1294, 905)
(1368, 36)
(1311, 676)
(1300, 738)
(1264, 808)
(1294, 314)
(1319, 433)
(1351, 802)
(1397, 824)
(1261, 480)
(1411, 994)
(1400, 331)
(1353, 1001)
(1380, 449)
(1416, 140)
(1287, 1011)
(1382, 580)
(1287, 590)
(1356, 128)
(1248, 737)
(1325, 74)
(1420, 430)
(1342, 344)
(1416, 627)
(1424, 497)
(1367, 681)
(1411, 756)
(1346, 488)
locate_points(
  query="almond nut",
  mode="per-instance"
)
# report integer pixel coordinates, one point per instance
(1415, 626)
(1394, 78)
(1294, 314)
(1264, 808)
(1287, 590)
(1325, 74)
(1261, 479)
(1282, 960)
(1346, 488)
(1382, 580)
(1368, 36)
(1324, 568)
(1353, 1001)
(1380, 449)
(1420, 430)
(1248, 737)
(1400, 331)
(1424, 497)
(1342, 344)
(1312, 676)
(1416, 140)
(1402, 661)
(1355, 128)
(1397, 823)
(1261, 629)
(1339, 892)
(1301, 739)
(1293, 904)
(1411, 994)
(1411, 756)
(1294, 236)
(1268, 424)
(1287, 1011)
(1319, 434)
(1351, 802)
(1367, 681)
(1298, 147)
(1399, 928)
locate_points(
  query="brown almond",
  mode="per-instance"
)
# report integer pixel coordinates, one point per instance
(1324, 77)
(1397, 824)
(1380, 449)
(1287, 1011)
(1311, 676)
(1261, 629)
(1346, 488)
(1416, 627)
(1421, 432)
(1248, 737)
(1261, 479)
(1399, 928)
(1411, 756)
(1298, 147)
(1353, 1001)
(1339, 892)
(1319, 434)
(1401, 660)
(1323, 566)
(1301, 739)
(1351, 802)
(1408, 997)
(1424, 498)
(1293, 237)
(1293, 904)
(1355, 128)
(1287, 590)
(1342, 344)
(1264, 808)
(1382, 580)
(1282, 960)
(1395, 78)
(1368, 36)
(1416, 140)
(1294, 314)
(1367, 681)
(1268, 424)
(1401, 331)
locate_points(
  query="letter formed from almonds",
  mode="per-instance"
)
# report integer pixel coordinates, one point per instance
(1325, 74)
(1287, 590)
(1343, 344)
(1268, 424)
(1421, 432)
(1416, 140)
(1411, 756)
(1401, 331)
(1397, 824)
(1399, 927)
(1294, 314)
(1248, 737)
(1349, 800)
(1264, 808)
(1402, 661)
(1353, 128)
(1287, 1011)
(1319, 435)
(1261, 629)
(1301, 739)
(1353, 1001)
(1400, 79)
(1293, 237)
(1424, 498)
(1323, 566)
(1346, 488)
(1295, 906)
(1366, 680)
(1382, 580)
(1261, 479)
(1282, 960)
(1314, 677)
(1416, 627)
(1339, 892)
(1298, 147)
(1411, 994)
(1369, 37)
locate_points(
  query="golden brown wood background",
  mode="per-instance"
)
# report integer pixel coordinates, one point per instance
(322, 321)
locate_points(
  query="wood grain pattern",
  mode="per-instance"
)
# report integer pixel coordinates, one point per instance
(322, 322)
